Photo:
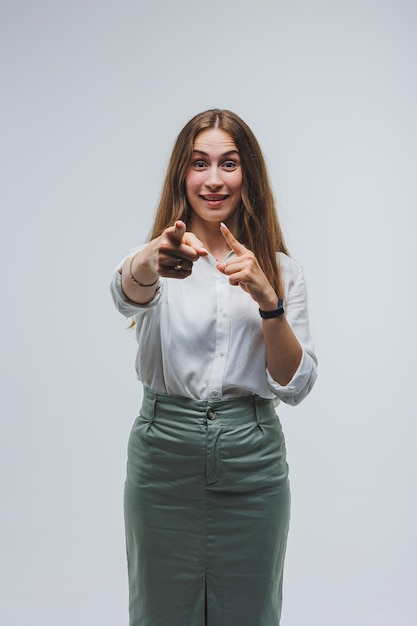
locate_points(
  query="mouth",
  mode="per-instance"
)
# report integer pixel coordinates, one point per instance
(214, 197)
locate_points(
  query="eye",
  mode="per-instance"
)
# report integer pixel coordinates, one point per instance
(198, 165)
(230, 165)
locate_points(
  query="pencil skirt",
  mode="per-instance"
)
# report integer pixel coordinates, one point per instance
(207, 507)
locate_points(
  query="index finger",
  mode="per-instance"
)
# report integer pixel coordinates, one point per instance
(176, 232)
(236, 246)
(179, 244)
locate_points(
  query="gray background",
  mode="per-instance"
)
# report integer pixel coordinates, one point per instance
(93, 95)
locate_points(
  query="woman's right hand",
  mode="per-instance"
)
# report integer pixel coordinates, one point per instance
(172, 254)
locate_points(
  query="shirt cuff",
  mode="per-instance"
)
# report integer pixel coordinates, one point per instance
(299, 385)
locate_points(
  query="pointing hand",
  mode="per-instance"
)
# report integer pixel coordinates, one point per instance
(177, 250)
(244, 270)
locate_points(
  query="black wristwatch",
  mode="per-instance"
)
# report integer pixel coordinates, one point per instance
(266, 315)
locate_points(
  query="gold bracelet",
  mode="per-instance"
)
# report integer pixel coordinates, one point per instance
(136, 281)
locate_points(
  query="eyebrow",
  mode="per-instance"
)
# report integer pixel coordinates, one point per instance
(225, 154)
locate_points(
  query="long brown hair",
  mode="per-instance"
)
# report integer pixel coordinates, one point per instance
(259, 228)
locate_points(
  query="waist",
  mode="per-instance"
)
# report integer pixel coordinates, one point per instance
(238, 409)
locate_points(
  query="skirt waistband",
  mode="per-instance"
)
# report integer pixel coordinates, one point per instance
(234, 408)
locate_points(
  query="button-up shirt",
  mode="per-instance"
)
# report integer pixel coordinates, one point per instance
(202, 338)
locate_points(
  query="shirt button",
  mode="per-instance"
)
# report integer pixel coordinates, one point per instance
(221, 353)
(211, 414)
(215, 393)
(225, 314)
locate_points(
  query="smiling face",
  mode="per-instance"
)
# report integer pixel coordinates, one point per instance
(214, 181)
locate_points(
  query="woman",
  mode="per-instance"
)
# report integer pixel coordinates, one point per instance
(222, 330)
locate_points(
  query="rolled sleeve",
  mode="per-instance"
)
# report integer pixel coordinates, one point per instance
(301, 383)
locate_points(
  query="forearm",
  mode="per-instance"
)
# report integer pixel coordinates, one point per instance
(139, 278)
(283, 350)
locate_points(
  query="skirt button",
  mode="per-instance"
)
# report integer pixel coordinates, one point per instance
(211, 414)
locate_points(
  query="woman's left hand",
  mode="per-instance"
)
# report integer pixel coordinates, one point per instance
(244, 270)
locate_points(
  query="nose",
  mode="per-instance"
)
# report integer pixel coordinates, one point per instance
(213, 177)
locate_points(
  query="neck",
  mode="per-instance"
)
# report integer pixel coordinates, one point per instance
(210, 235)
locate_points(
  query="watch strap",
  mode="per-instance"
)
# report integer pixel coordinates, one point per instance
(266, 315)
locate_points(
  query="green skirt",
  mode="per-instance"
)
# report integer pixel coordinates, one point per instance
(207, 506)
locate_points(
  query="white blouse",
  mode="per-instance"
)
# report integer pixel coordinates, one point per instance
(202, 338)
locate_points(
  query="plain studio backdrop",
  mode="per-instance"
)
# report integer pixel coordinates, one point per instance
(93, 96)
